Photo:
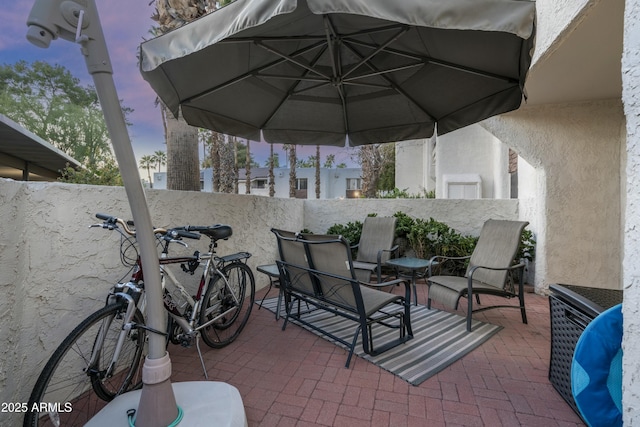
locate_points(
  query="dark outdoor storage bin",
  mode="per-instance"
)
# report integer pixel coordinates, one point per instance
(571, 309)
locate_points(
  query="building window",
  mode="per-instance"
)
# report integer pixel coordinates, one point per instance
(301, 188)
(354, 188)
(354, 184)
(259, 184)
(301, 184)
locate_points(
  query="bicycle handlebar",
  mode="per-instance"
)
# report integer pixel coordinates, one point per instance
(171, 233)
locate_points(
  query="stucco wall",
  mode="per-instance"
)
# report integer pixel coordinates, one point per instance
(631, 203)
(554, 19)
(56, 270)
(466, 216)
(576, 150)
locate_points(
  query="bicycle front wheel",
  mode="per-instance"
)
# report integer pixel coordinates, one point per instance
(227, 305)
(75, 383)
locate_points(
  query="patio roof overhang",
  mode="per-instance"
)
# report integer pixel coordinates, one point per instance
(27, 157)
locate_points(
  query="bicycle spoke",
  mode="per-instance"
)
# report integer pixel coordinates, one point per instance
(227, 305)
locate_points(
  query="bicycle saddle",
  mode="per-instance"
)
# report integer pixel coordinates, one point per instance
(215, 232)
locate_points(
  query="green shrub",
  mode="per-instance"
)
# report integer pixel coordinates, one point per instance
(527, 247)
(350, 231)
(404, 224)
(431, 237)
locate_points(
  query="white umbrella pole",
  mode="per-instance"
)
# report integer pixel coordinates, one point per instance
(79, 22)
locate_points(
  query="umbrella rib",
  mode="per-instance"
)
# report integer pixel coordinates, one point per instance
(391, 83)
(288, 58)
(379, 49)
(332, 35)
(291, 90)
(476, 102)
(434, 61)
(250, 73)
(335, 62)
(386, 71)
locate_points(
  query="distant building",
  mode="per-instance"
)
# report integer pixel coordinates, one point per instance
(469, 163)
(335, 183)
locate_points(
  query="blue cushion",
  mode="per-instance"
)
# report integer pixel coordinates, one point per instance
(596, 371)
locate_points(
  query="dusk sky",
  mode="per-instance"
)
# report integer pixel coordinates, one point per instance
(126, 24)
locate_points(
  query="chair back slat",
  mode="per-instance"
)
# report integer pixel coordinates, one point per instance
(292, 251)
(332, 254)
(378, 233)
(496, 248)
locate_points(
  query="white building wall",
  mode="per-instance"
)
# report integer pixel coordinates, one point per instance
(472, 151)
(333, 182)
(415, 167)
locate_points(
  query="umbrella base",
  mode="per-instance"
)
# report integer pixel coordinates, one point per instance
(204, 403)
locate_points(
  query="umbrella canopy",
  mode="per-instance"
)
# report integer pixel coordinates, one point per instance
(319, 71)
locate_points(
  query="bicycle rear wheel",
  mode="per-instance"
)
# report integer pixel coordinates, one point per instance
(227, 307)
(71, 389)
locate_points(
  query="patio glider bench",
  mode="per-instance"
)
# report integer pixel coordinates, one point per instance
(316, 273)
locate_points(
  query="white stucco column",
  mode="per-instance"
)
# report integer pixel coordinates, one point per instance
(631, 215)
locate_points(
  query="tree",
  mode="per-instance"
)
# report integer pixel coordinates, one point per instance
(147, 162)
(105, 174)
(329, 161)
(214, 140)
(183, 169)
(373, 159)
(387, 180)
(50, 102)
(317, 159)
(183, 172)
(272, 164)
(227, 171)
(247, 168)
(160, 159)
(309, 162)
(291, 151)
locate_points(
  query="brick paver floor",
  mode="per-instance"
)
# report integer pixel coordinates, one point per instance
(294, 378)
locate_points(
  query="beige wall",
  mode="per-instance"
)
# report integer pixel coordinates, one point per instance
(631, 208)
(576, 150)
(56, 270)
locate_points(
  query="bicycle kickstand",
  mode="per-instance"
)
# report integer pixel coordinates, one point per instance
(204, 369)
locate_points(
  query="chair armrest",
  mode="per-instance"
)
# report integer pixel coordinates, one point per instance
(381, 251)
(513, 267)
(435, 260)
(389, 283)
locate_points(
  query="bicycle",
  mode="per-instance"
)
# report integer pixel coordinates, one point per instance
(103, 356)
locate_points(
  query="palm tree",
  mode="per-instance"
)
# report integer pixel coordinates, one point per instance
(291, 150)
(247, 168)
(147, 162)
(183, 169)
(183, 166)
(317, 171)
(160, 158)
(272, 184)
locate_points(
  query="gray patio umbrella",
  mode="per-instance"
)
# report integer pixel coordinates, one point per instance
(317, 71)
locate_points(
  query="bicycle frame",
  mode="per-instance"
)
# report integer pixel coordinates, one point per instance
(133, 293)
